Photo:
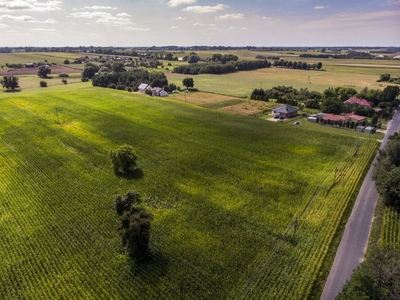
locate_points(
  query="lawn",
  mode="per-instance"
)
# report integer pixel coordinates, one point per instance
(243, 208)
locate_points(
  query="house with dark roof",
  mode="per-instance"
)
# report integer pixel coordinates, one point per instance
(359, 101)
(285, 111)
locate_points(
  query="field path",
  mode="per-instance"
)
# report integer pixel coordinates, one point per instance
(355, 238)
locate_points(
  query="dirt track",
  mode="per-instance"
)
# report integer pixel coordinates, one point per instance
(33, 71)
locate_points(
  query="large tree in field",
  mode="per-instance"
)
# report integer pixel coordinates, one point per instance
(188, 82)
(10, 82)
(44, 71)
(135, 225)
(123, 160)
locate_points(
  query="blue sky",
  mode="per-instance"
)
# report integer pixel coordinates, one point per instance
(200, 22)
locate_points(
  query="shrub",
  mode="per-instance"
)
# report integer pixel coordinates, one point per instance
(120, 87)
(43, 83)
(112, 86)
(63, 75)
(84, 79)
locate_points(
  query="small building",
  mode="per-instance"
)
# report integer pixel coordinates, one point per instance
(143, 87)
(370, 129)
(159, 92)
(312, 119)
(360, 128)
(286, 111)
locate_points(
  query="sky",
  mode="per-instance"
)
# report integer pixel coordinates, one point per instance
(134, 23)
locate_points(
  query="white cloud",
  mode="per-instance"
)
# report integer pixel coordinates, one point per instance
(174, 27)
(179, 18)
(17, 18)
(91, 15)
(104, 18)
(123, 15)
(320, 7)
(203, 25)
(50, 21)
(267, 18)
(205, 9)
(244, 28)
(136, 29)
(354, 20)
(95, 7)
(12, 31)
(231, 17)
(43, 29)
(30, 5)
(174, 3)
(3, 26)
(231, 28)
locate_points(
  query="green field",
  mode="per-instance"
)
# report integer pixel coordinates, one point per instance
(225, 191)
(336, 73)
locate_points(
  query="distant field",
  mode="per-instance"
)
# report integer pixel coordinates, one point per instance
(30, 57)
(225, 191)
(241, 84)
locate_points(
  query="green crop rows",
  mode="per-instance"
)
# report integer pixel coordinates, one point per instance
(391, 227)
(225, 192)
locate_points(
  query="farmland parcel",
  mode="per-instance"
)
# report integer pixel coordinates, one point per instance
(243, 208)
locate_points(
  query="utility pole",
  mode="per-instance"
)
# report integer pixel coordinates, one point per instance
(58, 120)
(296, 221)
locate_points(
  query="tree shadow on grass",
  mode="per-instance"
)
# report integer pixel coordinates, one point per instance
(137, 173)
(151, 269)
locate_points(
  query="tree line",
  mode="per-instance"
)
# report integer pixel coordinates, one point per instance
(219, 68)
(297, 65)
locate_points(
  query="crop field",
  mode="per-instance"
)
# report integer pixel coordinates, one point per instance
(243, 208)
(391, 227)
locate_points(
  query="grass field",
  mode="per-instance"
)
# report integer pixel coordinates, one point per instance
(225, 191)
(241, 84)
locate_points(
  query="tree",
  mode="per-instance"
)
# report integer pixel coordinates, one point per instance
(135, 225)
(319, 65)
(123, 160)
(118, 67)
(387, 172)
(332, 105)
(43, 71)
(384, 77)
(188, 82)
(43, 83)
(378, 277)
(66, 62)
(193, 58)
(10, 82)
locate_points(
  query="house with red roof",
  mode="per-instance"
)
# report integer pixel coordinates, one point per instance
(344, 118)
(359, 101)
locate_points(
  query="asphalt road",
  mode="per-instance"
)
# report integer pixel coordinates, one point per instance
(353, 245)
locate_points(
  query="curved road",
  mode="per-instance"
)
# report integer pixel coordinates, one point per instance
(355, 238)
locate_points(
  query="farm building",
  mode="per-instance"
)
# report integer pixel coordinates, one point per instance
(359, 101)
(143, 87)
(286, 111)
(159, 92)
